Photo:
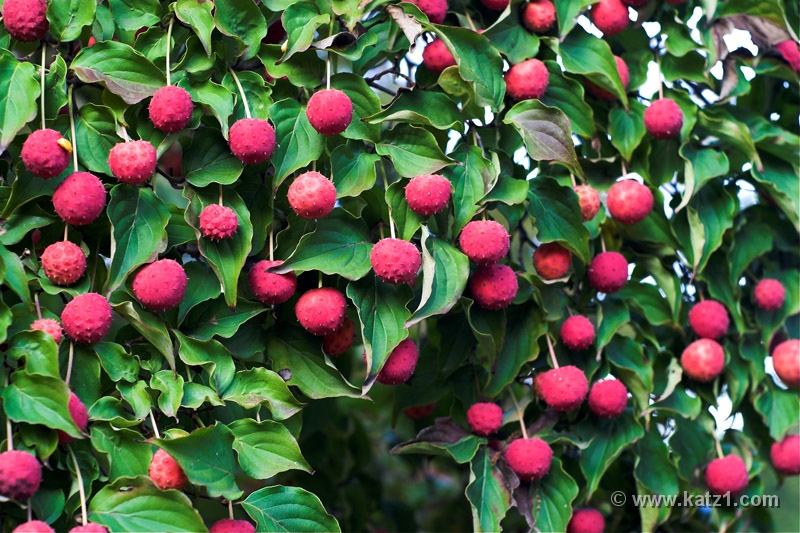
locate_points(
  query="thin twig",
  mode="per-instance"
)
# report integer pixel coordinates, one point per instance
(84, 516)
(552, 351)
(71, 110)
(41, 75)
(69, 362)
(241, 92)
(169, 46)
(155, 426)
(520, 414)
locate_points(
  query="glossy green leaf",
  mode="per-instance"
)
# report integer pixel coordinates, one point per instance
(266, 448)
(301, 20)
(96, 134)
(282, 508)
(127, 453)
(67, 19)
(413, 151)
(632, 368)
(147, 324)
(626, 128)
(18, 82)
(365, 104)
(445, 438)
(216, 318)
(197, 15)
(208, 160)
(242, 20)
(299, 143)
(39, 399)
(254, 387)
(471, 178)
(585, 54)
(116, 362)
(553, 497)
(779, 410)
(352, 169)
(520, 346)
(421, 108)
(487, 493)
(566, 94)
(557, 216)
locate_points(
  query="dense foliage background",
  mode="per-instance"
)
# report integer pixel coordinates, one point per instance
(247, 402)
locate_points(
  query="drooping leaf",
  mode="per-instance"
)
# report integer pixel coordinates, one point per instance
(282, 508)
(18, 82)
(266, 448)
(487, 492)
(413, 151)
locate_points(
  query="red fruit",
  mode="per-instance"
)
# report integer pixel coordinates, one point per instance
(703, 360)
(602, 94)
(551, 260)
(49, 326)
(484, 418)
(726, 474)
(589, 201)
(400, 364)
(171, 109)
(529, 458)
(769, 294)
(90, 527)
(709, 319)
(564, 388)
(539, 15)
(161, 285)
(785, 455)
(228, 525)
(494, 286)
(786, 361)
(218, 222)
(79, 415)
(608, 272)
(276, 33)
(91, 42)
(635, 3)
(610, 16)
(133, 162)
(629, 201)
(80, 198)
(63, 262)
(312, 195)
(34, 526)
(340, 340)
(87, 318)
(586, 521)
(20, 475)
(427, 194)
(577, 332)
(252, 140)
(321, 311)
(42, 154)
(663, 119)
(527, 80)
(608, 398)
(676, 2)
(329, 111)
(436, 57)
(484, 241)
(788, 49)
(166, 473)
(395, 260)
(270, 288)
(26, 20)
(418, 412)
(435, 9)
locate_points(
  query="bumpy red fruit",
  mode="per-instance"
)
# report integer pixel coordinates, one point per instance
(79, 415)
(608, 398)
(435, 9)
(312, 195)
(171, 108)
(270, 288)
(602, 94)
(252, 140)
(26, 20)
(786, 361)
(329, 111)
(395, 260)
(527, 80)
(133, 161)
(608, 272)
(321, 311)
(42, 154)
(484, 418)
(539, 15)
(663, 119)
(80, 198)
(400, 364)
(610, 16)
(166, 473)
(20, 475)
(436, 57)
(785, 455)
(484, 241)
(87, 318)
(218, 222)
(790, 53)
(494, 286)
(586, 521)
(63, 262)
(709, 319)
(726, 474)
(769, 294)
(551, 260)
(34, 526)
(49, 326)
(577, 332)
(564, 388)
(228, 525)
(703, 360)
(529, 458)
(340, 340)
(427, 194)
(629, 201)
(589, 200)
(90, 527)
(418, 412)
(161, 285)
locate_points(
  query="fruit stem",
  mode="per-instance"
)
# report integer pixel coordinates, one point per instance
(552, 351)
(230, 509)
(602, 243)
(80, 485)
(320, 279)
(169, 46)
(241, 92)
(41, 75)
(469, 21)
(66, 231)
(391, 226)
(155, 426)
(660, 81)
(36, 301)
(624, 168)
(520, 414)
(271, 241)
(572, 176)
(328, 72)
(72, 129)
(718, 446)
(69, 362)
(9, 438)
(220, 194)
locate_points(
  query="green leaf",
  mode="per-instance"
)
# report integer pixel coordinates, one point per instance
(242, 20)
(202, 286)
(39, 351)
(352, 169)
(211, 355)
(715, 210)
(139, 220)
(520, 346)
(365, 103)
(692, 443)
(471, 179)
(134, 14)
(18, 107)
(653, 467)
(779, 410)
(301, 20)
(566, 94)
(218, 100)
(423, 108)
(725, 127)
(279, 508)
(553, 497)
(96, 134)
(648, 300)
(217, 318)
(413, 151)
(209, 160)
(39, 399)
(299, 143)
(612, 315)
(15, 278)
(171, 388)
(751, 241)
(197, 15)
(702, 165)
(252, 388)
(487, 493)
(136, 504)
(557, 216)
(585, 54)
(120, 68)
(116, 362)
(67, 19)
(149, 325)
(507, 190)
(626, 128)
(304, 70)
(406, 221)
(511, 38)
(266, 448)
(127, 453)
(632, 368)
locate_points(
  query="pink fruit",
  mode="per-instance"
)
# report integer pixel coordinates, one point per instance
(133, 162)
(50, 326)
(527, 80)
(228, 525)
(87, 318)
(166, 473)
(790, 53)
(321, 311)
(400, 364)
(63, 262)
(395, 260)
(602, 94)
(252, 140)
(726, 474)
(436, 57)
(427, 194)
(25, 20)
(564, 388)
(329, 111)
(608, 398)
(34, 526)
(539, 15)
(589, 201)
(312, 195)
(785, 455)
(160, 285)
(769, 294)
(586, 521)
(80, 198)
(629, 201)
(42, 154)
(270, 288)
(709, 319)
(436, 10)
(90, 527)
(529, 458)
(484, 418)
(341, 340)
(496, 5)
(484, 241)
(494, 286)
(20, 475)
(79, 415)
(577, 332)
(610, 16)
(551, 260)
(171, 108)
(608, 272)
(663, 119)
(703, 360)
(786, 361)
(218, 222)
